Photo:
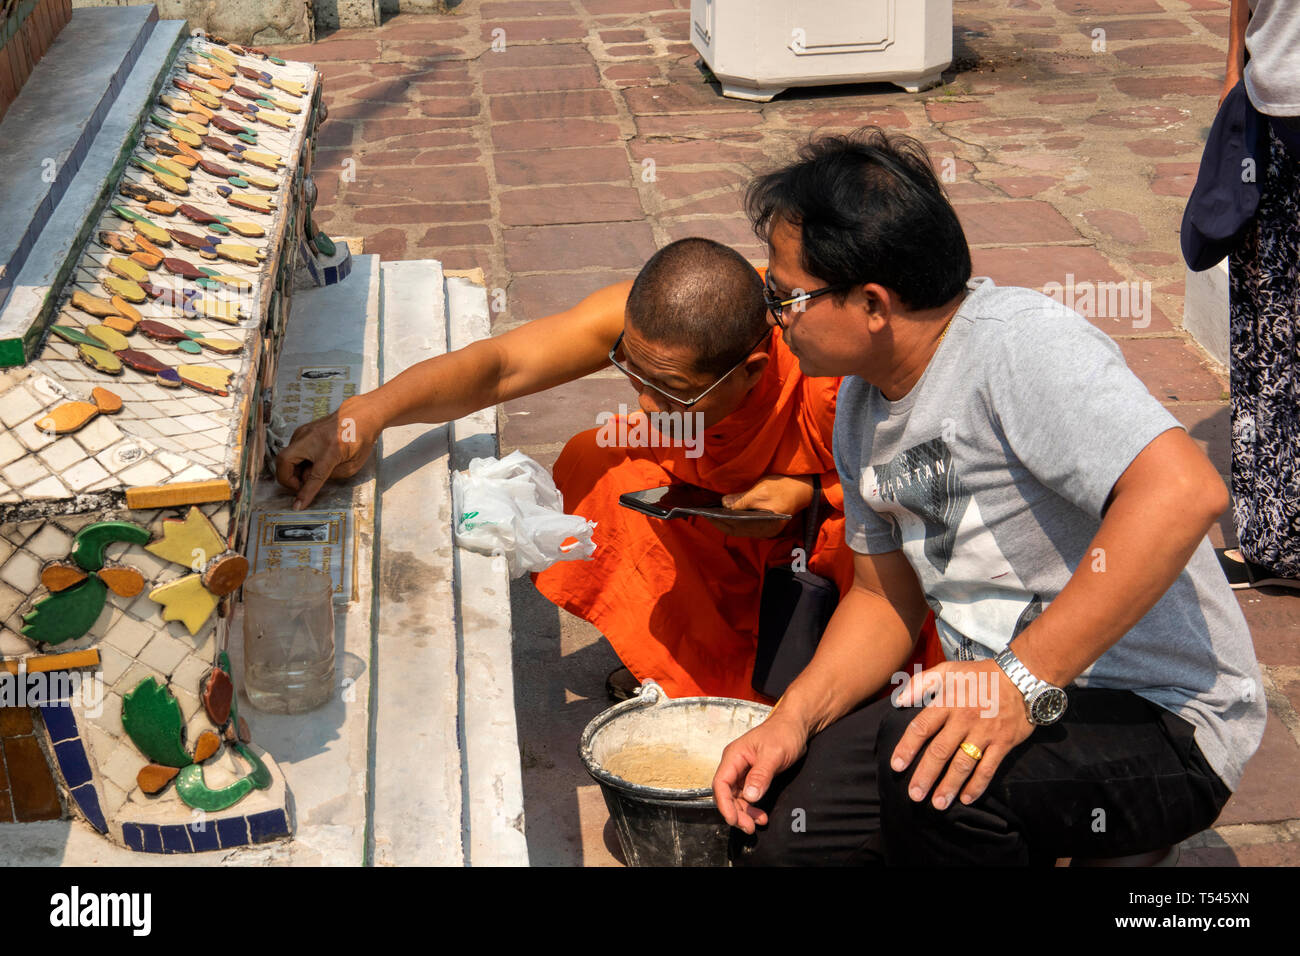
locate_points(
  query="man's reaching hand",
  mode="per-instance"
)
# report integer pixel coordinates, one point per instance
(336, 446)
(749, 765)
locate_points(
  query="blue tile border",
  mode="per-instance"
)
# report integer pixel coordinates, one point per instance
(152, 838)
(267, 826)
(59, 721)
(132, 837)
(204, 839)
(233, 831)
(73, 763)
(88, 800)
(176, 839)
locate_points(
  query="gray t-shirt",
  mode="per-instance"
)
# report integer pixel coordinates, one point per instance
(991, 475)
(1273, 73)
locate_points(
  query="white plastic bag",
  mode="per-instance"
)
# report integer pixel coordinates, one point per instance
(511, 507)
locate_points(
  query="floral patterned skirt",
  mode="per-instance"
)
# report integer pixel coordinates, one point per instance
(1264, 315)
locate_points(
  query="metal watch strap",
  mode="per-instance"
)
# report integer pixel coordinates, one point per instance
(1025, 682)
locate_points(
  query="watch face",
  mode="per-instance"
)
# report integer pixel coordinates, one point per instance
(1048, 706)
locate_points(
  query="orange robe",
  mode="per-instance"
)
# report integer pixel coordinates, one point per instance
(678, 599)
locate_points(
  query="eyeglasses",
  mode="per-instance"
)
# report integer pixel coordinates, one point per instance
(684, 402)
(778, 306)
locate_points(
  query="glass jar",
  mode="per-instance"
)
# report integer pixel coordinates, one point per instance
(288, 640)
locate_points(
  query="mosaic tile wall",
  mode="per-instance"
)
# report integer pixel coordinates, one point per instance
(132, 441)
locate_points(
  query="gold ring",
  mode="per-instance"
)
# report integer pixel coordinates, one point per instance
(970, 750)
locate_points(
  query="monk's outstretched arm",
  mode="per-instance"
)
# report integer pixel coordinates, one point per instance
(535, 356)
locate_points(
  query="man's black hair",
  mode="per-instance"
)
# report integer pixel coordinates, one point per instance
(702, 295)
(869, 209)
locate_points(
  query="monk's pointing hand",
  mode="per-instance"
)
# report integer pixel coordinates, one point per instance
(336, 446)
(750, 763)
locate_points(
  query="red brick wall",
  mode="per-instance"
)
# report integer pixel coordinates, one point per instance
(24, 49)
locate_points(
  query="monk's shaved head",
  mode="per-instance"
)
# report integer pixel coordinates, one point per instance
(703, 296)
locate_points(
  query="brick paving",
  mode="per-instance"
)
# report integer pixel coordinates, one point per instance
(556, 143)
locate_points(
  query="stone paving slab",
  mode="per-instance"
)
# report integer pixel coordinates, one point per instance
(587, 136)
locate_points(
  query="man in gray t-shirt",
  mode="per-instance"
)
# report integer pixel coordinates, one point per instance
(1002, 467)
(991, 475)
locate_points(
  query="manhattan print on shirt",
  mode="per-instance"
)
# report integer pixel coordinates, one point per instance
(967, 580)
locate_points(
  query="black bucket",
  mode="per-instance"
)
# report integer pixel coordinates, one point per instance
(659, 826)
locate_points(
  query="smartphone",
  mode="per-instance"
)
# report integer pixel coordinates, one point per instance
(679, 501)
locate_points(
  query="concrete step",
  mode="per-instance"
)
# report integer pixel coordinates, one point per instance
(447, 787)
(61, 143)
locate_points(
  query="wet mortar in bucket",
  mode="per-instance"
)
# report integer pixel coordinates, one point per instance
(654, 758)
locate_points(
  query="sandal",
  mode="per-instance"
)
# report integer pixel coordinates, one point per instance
(1243, 574)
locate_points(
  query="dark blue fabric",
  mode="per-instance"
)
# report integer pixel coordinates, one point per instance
(1224, 200)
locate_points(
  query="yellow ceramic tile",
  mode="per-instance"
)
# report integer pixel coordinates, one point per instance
(250, 229)
(238, 253)
(113, 341)
(185, 600)
(119, 323)
(127, 269)
(101, 360)
(278, 120)
(265, 160)
(217, 309)
(223, 346)
(92, 305)
(295, 89)
(152, 233)
(107, 402)
(205, 378)
(126, 288)
(179, 493)
(188, 542)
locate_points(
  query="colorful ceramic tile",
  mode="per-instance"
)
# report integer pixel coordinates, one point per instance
(191, 788)
(91, 304)
(290, 87)
(100, 359)
(153, 777)
(205, 378)
(146, 259)
(207, 744)
(125, 309)
(197, 215)
(75, 336)
(107, 402)
(126, 269)
(119, 323)
(260, 181)
(117, 241)
(217, 143)
(140, 193)
(89, 544)
(61, 575)
(129, 289)
(218, 309)
(225, 574)
(250, 230)
(247, 255)
(66, 615)
(161, 331)
(179, 267)
(152, 719)
(122, 580)
(179, 493)
(185, 600)
(250, 201)
(189, 347)
(190, 240)
(229, 126)
(278, 120)
(189, 540)
(67, 417)
(161, 207)
(234, 282)
(216, 169)
(217, 694)
(169, 378)
(141, 362)
(110, 339)
(220, 346)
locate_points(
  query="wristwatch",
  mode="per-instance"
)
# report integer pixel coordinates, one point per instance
(1044, 703)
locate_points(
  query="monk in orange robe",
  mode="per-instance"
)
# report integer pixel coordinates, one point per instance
(678, 600)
